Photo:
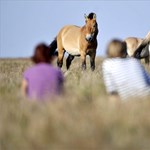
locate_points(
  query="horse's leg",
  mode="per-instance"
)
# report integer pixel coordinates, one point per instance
(69, 60)
(147, 60)
(60, 57)
(92, 60)
(83, 60)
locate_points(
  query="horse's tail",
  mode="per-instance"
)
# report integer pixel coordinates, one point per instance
(53, 47)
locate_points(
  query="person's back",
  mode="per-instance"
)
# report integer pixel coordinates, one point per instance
(126, 76)
(43, 80)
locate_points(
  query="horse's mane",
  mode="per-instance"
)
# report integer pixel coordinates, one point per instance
(90, 16)
(146, 40)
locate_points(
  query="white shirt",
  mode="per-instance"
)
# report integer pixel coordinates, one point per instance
(126, 76)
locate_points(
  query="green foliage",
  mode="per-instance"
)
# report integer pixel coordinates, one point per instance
(81, 119)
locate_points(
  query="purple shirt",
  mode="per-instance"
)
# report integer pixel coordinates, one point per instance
(43, 80)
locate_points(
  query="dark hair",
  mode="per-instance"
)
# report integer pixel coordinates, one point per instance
(41, 54)
(90, 16)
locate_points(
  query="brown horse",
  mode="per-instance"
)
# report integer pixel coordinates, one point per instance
(77, 41)
(138, 47)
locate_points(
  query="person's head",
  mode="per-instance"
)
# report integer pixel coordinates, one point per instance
(116, 48)
(42, 54)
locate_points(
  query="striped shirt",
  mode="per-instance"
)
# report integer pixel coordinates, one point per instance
(126, 76)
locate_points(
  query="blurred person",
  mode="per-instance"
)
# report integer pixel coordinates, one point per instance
(42, 80)
(124, 77)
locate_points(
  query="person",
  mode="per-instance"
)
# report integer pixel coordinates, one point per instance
(124, 77)
(42, 80)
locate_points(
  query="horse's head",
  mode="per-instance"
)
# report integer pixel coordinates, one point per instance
(91, 27)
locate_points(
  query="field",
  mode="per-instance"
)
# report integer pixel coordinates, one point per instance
(82, 119)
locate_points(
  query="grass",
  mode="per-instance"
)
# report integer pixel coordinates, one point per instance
(82, 119)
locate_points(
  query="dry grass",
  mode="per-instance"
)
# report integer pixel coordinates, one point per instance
(82, 119)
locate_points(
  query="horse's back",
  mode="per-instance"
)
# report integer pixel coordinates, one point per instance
(69, 37)
(132, 44)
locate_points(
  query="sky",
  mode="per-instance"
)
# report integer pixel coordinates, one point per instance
(25, 23)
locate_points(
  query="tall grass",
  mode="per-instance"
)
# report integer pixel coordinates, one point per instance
(82, 119)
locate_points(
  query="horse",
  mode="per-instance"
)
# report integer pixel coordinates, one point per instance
(77, 41)
(143, 51)
(132, 44)
(138, 47)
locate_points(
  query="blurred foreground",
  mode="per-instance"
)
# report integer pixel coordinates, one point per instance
(82, 119)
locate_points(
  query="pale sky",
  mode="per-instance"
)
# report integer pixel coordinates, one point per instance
(23, 24)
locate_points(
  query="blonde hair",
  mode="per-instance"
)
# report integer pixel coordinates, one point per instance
(116, 48)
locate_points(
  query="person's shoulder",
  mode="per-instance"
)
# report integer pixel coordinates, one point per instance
(134, 61)
(109, 61)
(28, 71)
(46, 66)
(131, 59)
(54, 69)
